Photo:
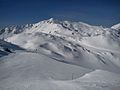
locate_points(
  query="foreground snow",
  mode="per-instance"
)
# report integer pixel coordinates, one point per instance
(31, 71)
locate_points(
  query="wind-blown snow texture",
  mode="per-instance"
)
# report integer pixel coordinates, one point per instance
(60, 55)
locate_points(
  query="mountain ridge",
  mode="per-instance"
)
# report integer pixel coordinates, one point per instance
(66, 24)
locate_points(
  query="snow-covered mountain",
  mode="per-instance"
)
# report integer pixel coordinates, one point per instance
(117, 26)
(72, 42)
(62, 50)
(11, 30)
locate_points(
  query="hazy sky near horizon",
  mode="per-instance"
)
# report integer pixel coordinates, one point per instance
(96, 12)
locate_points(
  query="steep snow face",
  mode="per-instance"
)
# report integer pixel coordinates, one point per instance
(78, 32)
(110, 40)
(71, 42)
(69, 51)
(66, 28)
(117, 26)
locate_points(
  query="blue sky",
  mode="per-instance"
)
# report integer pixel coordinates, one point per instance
(96, 12)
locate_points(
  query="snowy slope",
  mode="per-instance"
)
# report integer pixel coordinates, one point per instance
(117, 26)
(31, 71)
(61, 55)
(71, 42)
(77, 31)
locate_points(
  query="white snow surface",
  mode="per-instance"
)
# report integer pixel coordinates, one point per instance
(117, 26)
(60, 55)
(31, 71)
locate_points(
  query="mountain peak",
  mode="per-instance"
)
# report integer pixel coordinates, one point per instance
(51, 20)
